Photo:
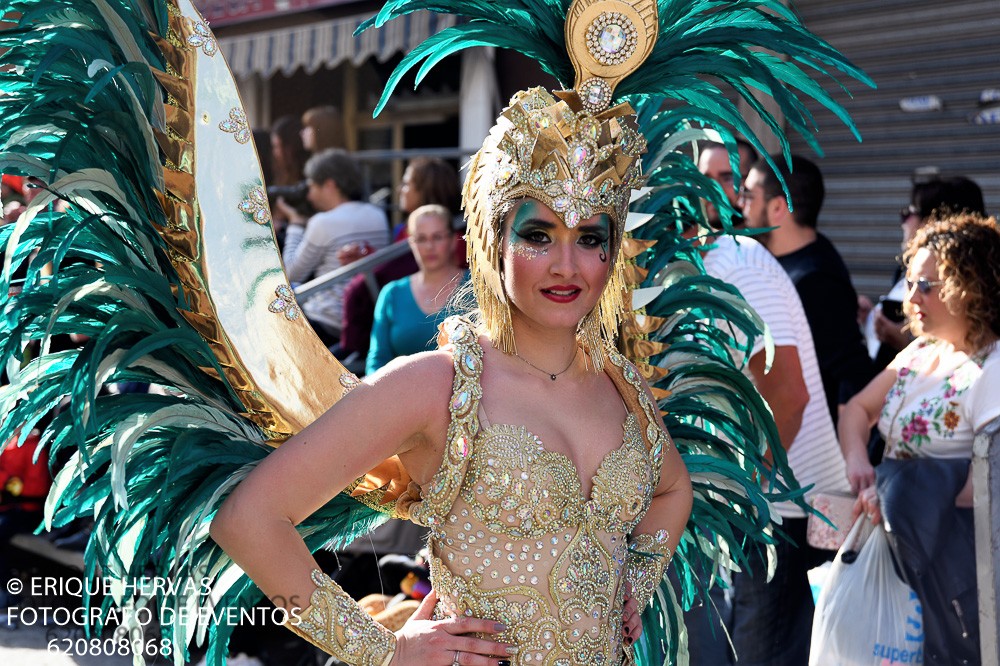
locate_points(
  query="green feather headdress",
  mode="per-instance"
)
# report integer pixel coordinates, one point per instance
(689, 333)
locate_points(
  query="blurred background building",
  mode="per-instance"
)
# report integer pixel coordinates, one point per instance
(936, 109)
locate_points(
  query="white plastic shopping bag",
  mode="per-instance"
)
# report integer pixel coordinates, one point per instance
(866, 615)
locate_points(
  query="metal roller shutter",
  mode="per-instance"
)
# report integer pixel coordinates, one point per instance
(948, 49)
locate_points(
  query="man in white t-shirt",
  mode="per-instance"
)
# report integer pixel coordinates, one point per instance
(771, 622)
(312, 247)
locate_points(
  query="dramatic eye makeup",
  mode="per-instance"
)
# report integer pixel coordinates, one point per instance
(597, 234)
(528, 236)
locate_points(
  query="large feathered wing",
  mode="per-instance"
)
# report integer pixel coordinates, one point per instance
(149, 242)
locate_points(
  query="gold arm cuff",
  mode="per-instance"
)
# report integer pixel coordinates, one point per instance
(647, 560)
(337, 625)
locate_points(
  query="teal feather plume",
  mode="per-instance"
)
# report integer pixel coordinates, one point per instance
(719, 422)
(703, 48)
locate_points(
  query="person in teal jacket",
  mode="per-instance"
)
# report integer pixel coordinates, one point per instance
(410, 309)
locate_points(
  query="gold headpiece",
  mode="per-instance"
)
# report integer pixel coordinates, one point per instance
(573, 154)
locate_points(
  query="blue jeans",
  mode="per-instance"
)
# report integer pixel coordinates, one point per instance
(772, 622)
(707, 642)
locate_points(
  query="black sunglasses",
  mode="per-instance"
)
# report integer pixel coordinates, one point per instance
(924, 285)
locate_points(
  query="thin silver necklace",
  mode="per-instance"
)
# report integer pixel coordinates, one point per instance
(552, 375)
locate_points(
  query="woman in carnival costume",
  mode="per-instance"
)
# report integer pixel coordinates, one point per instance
(537, 526)
(534, 449)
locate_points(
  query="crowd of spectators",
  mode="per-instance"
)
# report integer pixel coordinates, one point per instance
(426, 181)
(936, 329)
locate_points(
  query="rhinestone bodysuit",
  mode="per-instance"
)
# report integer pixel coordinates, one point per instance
(513, 539)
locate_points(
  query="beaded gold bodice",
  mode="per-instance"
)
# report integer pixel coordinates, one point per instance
(514, 539)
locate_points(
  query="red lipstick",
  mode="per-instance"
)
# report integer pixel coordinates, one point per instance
(561, 293)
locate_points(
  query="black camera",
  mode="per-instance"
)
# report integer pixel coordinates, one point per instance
(893, 310)
(294, 195)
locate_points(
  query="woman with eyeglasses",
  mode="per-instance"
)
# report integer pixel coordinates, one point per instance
(929, 403)
(410, 309)
(929, 199)
(425, 181)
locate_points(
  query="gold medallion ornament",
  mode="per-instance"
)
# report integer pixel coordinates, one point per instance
(607, 40)
(595, 94)
(611, 38)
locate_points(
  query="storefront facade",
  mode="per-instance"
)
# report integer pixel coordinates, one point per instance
(937, 106)
(936, 64)
(293, 55)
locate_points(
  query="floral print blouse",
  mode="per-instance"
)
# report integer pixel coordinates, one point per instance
(940, 399)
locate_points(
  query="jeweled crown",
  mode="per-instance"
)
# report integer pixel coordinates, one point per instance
(577, 163)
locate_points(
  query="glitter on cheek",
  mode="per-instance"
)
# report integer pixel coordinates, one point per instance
(520, 249)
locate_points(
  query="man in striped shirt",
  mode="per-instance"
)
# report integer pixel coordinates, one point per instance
(771, 622)
(313, 246)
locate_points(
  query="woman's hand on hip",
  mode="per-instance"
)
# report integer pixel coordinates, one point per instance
(631, 619)
(450, 641)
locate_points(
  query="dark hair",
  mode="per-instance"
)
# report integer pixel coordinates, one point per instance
(288, 171)
(939, 196)
(436, 181)
(805, 186)
(967, 249)
(336, 165)
(746, 146)
(262, 143)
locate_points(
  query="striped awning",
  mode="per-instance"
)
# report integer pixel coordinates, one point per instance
(327, 44)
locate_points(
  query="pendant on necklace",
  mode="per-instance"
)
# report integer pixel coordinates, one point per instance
(552, 377)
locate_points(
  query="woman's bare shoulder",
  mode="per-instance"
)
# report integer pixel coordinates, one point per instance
(423, 376)
(416, 391)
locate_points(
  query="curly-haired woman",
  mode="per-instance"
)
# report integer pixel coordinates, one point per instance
(928, 404)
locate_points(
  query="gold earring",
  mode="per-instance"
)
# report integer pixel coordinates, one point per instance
(496, 315)
(590, 337)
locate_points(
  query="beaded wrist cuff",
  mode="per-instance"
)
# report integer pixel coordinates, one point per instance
(647, 560)
(336, 624)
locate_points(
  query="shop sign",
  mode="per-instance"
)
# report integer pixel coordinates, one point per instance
(921, 104)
